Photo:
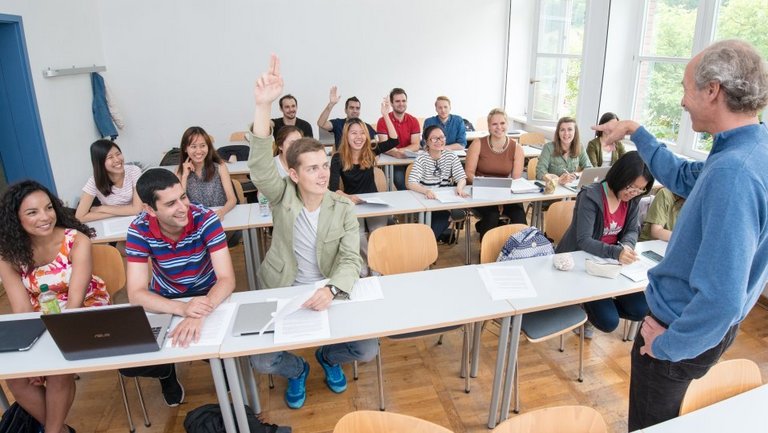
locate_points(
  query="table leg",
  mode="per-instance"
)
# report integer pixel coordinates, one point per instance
(428, 219)
(538, 217)
(221, 394)
(233, 377)
(249, 259)
(467, 247)
(501, 353)
(253, 386)
(390, 173)
(511, 366)
(422, 217)
(476, 348)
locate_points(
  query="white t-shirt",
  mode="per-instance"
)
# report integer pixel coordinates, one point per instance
(305, 247)
(606, 158)
(282, 171)
(120, 196)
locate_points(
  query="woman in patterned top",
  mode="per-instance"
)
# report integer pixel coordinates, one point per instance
(203, 173)
(434, 169)
(42, 243)
(113, 183)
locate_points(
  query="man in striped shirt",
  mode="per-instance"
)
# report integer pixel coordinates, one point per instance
(189, 259)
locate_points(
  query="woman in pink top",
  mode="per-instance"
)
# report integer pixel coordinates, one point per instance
(113, 183)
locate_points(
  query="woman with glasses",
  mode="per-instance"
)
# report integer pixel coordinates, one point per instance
(496, 156)
(434, 169)
(605, 224)
(564, 155)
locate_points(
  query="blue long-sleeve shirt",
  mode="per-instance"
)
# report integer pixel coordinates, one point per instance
(454, 129)
(716, 262)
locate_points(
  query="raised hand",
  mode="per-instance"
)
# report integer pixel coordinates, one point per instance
(270, 85)
(616, 130)
(385, 107)
(334, 97)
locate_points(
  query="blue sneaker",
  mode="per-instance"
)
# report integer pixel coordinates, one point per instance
(296, 392)
(334, 375)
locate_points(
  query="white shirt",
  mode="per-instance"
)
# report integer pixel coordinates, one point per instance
(305, 247)
(282, 171)
(606, 158)
(119, 196)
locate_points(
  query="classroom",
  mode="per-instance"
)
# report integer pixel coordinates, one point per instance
(168, 66)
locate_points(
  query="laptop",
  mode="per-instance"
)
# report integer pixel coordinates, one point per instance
(103, 331)
(250, 318)
(491, 187)
(588, 176)
(20, 335)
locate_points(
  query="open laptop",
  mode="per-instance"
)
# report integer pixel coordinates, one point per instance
(103, 331)
(588, 176)
(20, 335)
(491, 187)
(250, 318)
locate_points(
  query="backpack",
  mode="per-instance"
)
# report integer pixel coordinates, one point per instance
(207, 419)
(17, 420)
(528, 242)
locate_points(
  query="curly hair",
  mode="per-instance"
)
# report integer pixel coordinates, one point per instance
(15, 243)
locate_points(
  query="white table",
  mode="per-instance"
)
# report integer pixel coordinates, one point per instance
(235, 168)
(740, 413)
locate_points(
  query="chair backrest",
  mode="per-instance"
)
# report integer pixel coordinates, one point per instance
(369, 421)
(240, 151)
(532, 163)
(380, 179)
(421, 122)
(239, 191)
(559, 419)
(532, 138)
(108, 265)
(558, 218)
(408, 172)
(723, 380)
(494, 239)
(171, 157)
(401, 248)
(237, 136)
(481, 124)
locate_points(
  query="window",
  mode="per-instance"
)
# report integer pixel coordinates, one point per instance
(557, 66)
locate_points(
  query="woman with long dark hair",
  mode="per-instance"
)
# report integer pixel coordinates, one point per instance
(113, 183)
(42, 243)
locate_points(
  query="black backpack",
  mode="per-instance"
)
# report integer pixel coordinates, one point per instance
(207, 419)
(17, 420)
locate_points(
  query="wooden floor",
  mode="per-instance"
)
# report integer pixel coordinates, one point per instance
(421, 379)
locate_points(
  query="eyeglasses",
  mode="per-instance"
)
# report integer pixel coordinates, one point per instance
(437, 139)
(631, 189)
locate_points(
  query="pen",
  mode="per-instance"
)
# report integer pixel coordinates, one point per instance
(625, 246)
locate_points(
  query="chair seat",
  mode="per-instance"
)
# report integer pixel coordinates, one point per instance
(425, 332)
(545, 324)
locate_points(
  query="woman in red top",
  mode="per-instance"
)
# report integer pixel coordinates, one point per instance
(605, 224)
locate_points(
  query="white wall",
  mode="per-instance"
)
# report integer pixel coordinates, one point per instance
(62, 34)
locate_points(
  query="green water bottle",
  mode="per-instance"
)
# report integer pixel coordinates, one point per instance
(49, 303)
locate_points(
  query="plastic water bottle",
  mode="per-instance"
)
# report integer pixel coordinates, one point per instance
(49, 303)
(264, 206)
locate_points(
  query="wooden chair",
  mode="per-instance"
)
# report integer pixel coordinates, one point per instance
(408, 172)
(541, 325)
(380, 179)
(368, 421)
(239, 191)
(237, 136)
(558, 218)
(532, 138)
(403, 248)
(108, 265)
(723, 380)
(532, 163)
(559, 419)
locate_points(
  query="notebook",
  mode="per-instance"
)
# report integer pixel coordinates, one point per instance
(588, 176)
(250, 318)
(20, 335)
(103, 331)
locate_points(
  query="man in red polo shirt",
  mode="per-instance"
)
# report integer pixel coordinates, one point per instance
(408, 132)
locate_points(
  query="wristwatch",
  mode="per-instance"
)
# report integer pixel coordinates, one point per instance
(337, 293)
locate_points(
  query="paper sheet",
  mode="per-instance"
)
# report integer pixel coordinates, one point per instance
(214, 326)
(449, 196)
(524, 186)
(365, 289)
(507, 282)
(300, 324)
(375, 200)
(117, 226)
(637, 271)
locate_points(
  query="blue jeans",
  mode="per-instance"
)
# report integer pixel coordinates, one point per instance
(657, 387)
(398, 177)
(290, 366)
(605, 313)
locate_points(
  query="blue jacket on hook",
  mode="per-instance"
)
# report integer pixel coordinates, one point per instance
(101, 114)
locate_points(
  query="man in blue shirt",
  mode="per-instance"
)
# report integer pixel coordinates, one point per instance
(453, 125)
(716, 263)
(336, 126)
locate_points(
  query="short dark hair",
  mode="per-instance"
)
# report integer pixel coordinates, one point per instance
(153, 180)
(396, 91)
(288, 96)
(300, 146)
(626, 169)
(352, 99)
(605, 118)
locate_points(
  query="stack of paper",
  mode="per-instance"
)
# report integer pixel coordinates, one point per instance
(449, 196)
(214, 326)
(524, 186)
(507, 282)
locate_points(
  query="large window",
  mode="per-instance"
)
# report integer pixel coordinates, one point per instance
(557, 66)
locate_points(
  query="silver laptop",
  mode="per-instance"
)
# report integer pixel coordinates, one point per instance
(491, 187)
(103, 331)
(20, 335)
(250, 318)
(588, 176)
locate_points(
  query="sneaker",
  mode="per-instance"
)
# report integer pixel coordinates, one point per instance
(296, 392)
(334, 375)
(589, 331)
(173, 392)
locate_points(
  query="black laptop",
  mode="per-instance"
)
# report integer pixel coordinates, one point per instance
(103, 331)
(20, 335)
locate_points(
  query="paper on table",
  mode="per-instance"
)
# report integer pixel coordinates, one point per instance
(117, 226)
(637, 271)
(375, 200)
(523, 186)
(300, 325)
(214, 326)
(365, 289)
(449, 196)
(506, 282)
(287, 306)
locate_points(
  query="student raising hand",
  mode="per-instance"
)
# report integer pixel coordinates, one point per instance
(268, 87)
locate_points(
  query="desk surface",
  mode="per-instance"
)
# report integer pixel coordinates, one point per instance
(384, 159)
(469, 202)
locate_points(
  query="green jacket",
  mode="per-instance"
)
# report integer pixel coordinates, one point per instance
(338, 237)
(549, 163)
(595, 152)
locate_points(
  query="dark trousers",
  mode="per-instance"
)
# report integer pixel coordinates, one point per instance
(605, 313)
(157, 371)
(398, 175)
(489, 216)
(657, 387)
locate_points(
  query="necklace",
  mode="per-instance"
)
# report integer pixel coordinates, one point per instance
(503, 146)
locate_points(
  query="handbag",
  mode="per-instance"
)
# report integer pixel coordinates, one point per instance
(17, 420)
(528, 242)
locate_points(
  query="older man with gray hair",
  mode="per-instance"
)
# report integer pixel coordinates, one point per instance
(716, 263)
